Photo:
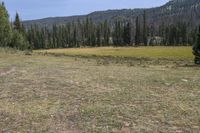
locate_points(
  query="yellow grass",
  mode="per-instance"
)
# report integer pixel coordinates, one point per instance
(136, 52)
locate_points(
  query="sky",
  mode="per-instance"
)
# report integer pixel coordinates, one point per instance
(37, 9)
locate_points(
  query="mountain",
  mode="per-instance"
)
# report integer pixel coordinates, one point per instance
(172, 12)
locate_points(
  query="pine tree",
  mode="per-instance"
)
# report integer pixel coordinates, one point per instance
(144, 29)
(198, 40)
(19, 39)
(98, 35)
(183, 34)
(79, 33)
(92, 34)
(166, 36)
(127, 34)
(172, 35)
(17, 23)
(54, 36)
(137, 34)
(75, 37)
(118, 34)
(87, 31)
(93, 39)
(106, 33)
(5, 28)
(196, 46)
(196, 49)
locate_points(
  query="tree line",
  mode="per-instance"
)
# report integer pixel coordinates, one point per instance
(121, 33)
(86, 33)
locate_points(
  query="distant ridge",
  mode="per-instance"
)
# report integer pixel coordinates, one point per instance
(172, 12)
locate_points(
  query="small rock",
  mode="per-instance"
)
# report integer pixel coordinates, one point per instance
(184, 80)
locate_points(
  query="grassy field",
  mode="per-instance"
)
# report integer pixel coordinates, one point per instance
(135, 52)
(74, 95)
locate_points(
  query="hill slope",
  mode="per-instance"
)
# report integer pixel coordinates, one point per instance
(171, 12)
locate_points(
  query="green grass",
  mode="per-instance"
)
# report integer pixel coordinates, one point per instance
(138, 52)
(69, 94)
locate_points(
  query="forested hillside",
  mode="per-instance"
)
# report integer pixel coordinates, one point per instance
(171, 12)
(174, 23)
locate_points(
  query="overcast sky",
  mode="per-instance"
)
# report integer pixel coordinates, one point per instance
(35, 9)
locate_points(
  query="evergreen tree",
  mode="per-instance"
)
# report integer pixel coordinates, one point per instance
(92, 34)
(172, 35)
(127, 34)
(19, 42)
(192, 36)
(75, 37)
(54, 36)
(137, 33)
(161, 30)
(5, 28)
(19, 39)
(162, 33)
(68, 30)
(106, 33)
(118, 34)
(79, 33)
(93, 39)
(144, 28)
(17, 23)
(166, 37)
(183, 34)
(87, 31)
(98, 35)
(196, 48)
(198, 40)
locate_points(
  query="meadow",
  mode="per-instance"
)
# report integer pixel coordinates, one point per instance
(45, 93)
(157, 52)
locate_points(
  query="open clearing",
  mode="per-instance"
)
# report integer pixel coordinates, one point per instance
(74, 95)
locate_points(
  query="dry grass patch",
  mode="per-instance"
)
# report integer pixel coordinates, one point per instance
(66, 94)
(134, 52)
